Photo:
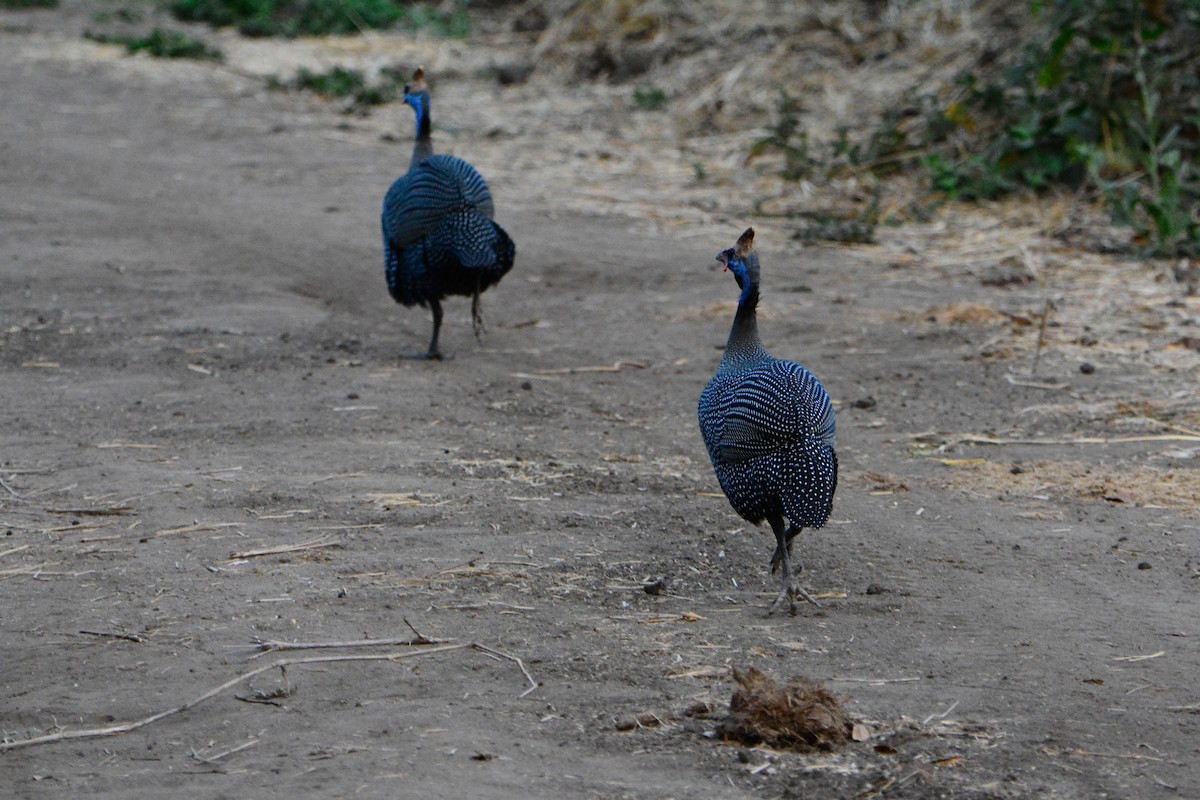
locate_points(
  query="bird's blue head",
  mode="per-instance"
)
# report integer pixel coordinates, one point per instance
(416, 95)
(742, 261)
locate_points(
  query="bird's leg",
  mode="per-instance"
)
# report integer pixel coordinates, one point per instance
(777, 557)
(791, 587)
(477, 314)
(433, 354)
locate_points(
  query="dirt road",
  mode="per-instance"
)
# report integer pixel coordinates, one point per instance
(200, 363)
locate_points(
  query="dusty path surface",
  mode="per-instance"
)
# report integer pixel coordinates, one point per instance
(200, 363)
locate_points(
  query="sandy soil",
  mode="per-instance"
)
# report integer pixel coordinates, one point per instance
(210, 440)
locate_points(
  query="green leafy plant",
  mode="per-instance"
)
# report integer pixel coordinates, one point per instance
(19, 4)
(1105, 98)
(320, 17)
(650, 98)
(348, 84)
(161, 44)
(787, 136)
(121, 11)
(1160, 202)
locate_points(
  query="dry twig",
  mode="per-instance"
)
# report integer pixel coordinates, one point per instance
(131, 637)
(287, 548)
(223, 753)
(268, 646)
(111, 511)
(282, 664)
(10, 490)
(194, 527)
(615, 367)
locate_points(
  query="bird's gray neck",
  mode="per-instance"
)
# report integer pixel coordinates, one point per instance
(744, 344)
(422, 149)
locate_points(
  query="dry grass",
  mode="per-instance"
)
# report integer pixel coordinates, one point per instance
(1173, 488)
(799, 715)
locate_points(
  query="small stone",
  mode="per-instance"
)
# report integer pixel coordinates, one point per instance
(655, 588)
(1144, 565)
(865, 403)
(1087, 368)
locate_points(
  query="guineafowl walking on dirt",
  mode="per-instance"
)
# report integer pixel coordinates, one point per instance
(769, 428)
(438, 235)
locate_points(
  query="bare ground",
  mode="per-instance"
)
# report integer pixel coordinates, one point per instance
(200, 362)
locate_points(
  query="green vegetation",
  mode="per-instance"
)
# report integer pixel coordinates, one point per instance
(320, 17)
(160, 43)
(121, 11)
(786, 135)
(348, 84)
(650, 98)
(16, 4)
(805, 160)
(1104, 99)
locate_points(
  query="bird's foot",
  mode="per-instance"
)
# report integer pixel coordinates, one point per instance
(432, 355)
(790, 590)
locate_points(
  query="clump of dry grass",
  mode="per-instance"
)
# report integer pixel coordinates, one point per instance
(799, 715)
(1147, 486)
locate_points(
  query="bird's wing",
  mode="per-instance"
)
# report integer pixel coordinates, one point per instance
(432, 190)
(473, 240)
(773, 409)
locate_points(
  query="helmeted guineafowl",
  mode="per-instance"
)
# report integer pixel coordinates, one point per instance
(438, 235)
(769, 428)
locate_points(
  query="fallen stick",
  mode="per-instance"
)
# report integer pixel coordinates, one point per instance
(978, 439)
(615, 367)
(286, 548)
(282, 664)
(194, 527)
(10, 490)
(1034, 384)
(222, 754)
(1130, 756)
(112, 511)
(268, 646)
(132, 637)
(30, 569)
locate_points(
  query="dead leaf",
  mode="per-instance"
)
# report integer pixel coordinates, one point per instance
(1184, 343)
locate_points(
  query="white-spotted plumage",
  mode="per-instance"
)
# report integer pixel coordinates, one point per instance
(770, 430)
(438, 235)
